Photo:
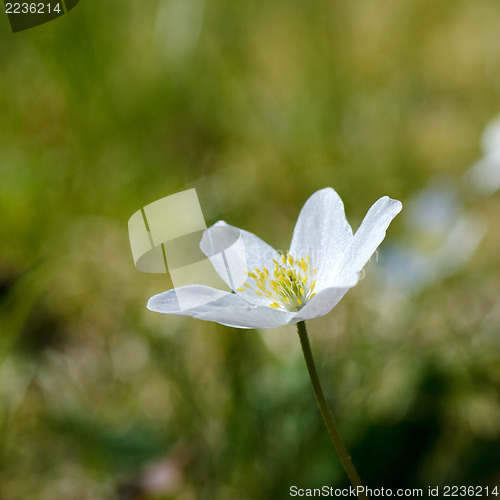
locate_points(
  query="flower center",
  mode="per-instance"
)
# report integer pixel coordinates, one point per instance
(288, 286)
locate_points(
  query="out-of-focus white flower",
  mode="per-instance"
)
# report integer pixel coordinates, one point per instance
(323, 262)
(412, 269)
(441, 238)
(484, 175)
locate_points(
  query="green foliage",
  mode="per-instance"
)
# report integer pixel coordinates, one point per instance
(256, 104)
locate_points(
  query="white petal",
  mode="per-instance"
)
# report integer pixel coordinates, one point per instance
(490, 137)
(323, 233)
(236, 312)
(368, 237)
(485, 174)
(233, 251)
(183, 300)
(226, 308)
(322, 303)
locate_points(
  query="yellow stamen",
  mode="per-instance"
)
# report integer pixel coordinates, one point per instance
(288, 286)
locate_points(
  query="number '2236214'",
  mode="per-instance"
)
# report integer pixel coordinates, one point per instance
(32, 8)
(469, 491)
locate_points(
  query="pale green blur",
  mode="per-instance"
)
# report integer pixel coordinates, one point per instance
(255, 104)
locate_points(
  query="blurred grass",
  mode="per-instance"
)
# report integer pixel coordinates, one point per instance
(256, 105)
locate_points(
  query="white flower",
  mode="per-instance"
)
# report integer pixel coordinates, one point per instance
(323, 262)
(441, 237)
(485, 173)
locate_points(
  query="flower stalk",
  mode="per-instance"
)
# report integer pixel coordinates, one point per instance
(330, 424)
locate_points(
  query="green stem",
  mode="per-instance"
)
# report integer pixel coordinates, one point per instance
(342, 452)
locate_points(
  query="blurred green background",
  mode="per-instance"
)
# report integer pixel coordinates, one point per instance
(256, 104)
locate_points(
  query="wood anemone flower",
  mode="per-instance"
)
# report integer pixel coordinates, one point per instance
(271, 289)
